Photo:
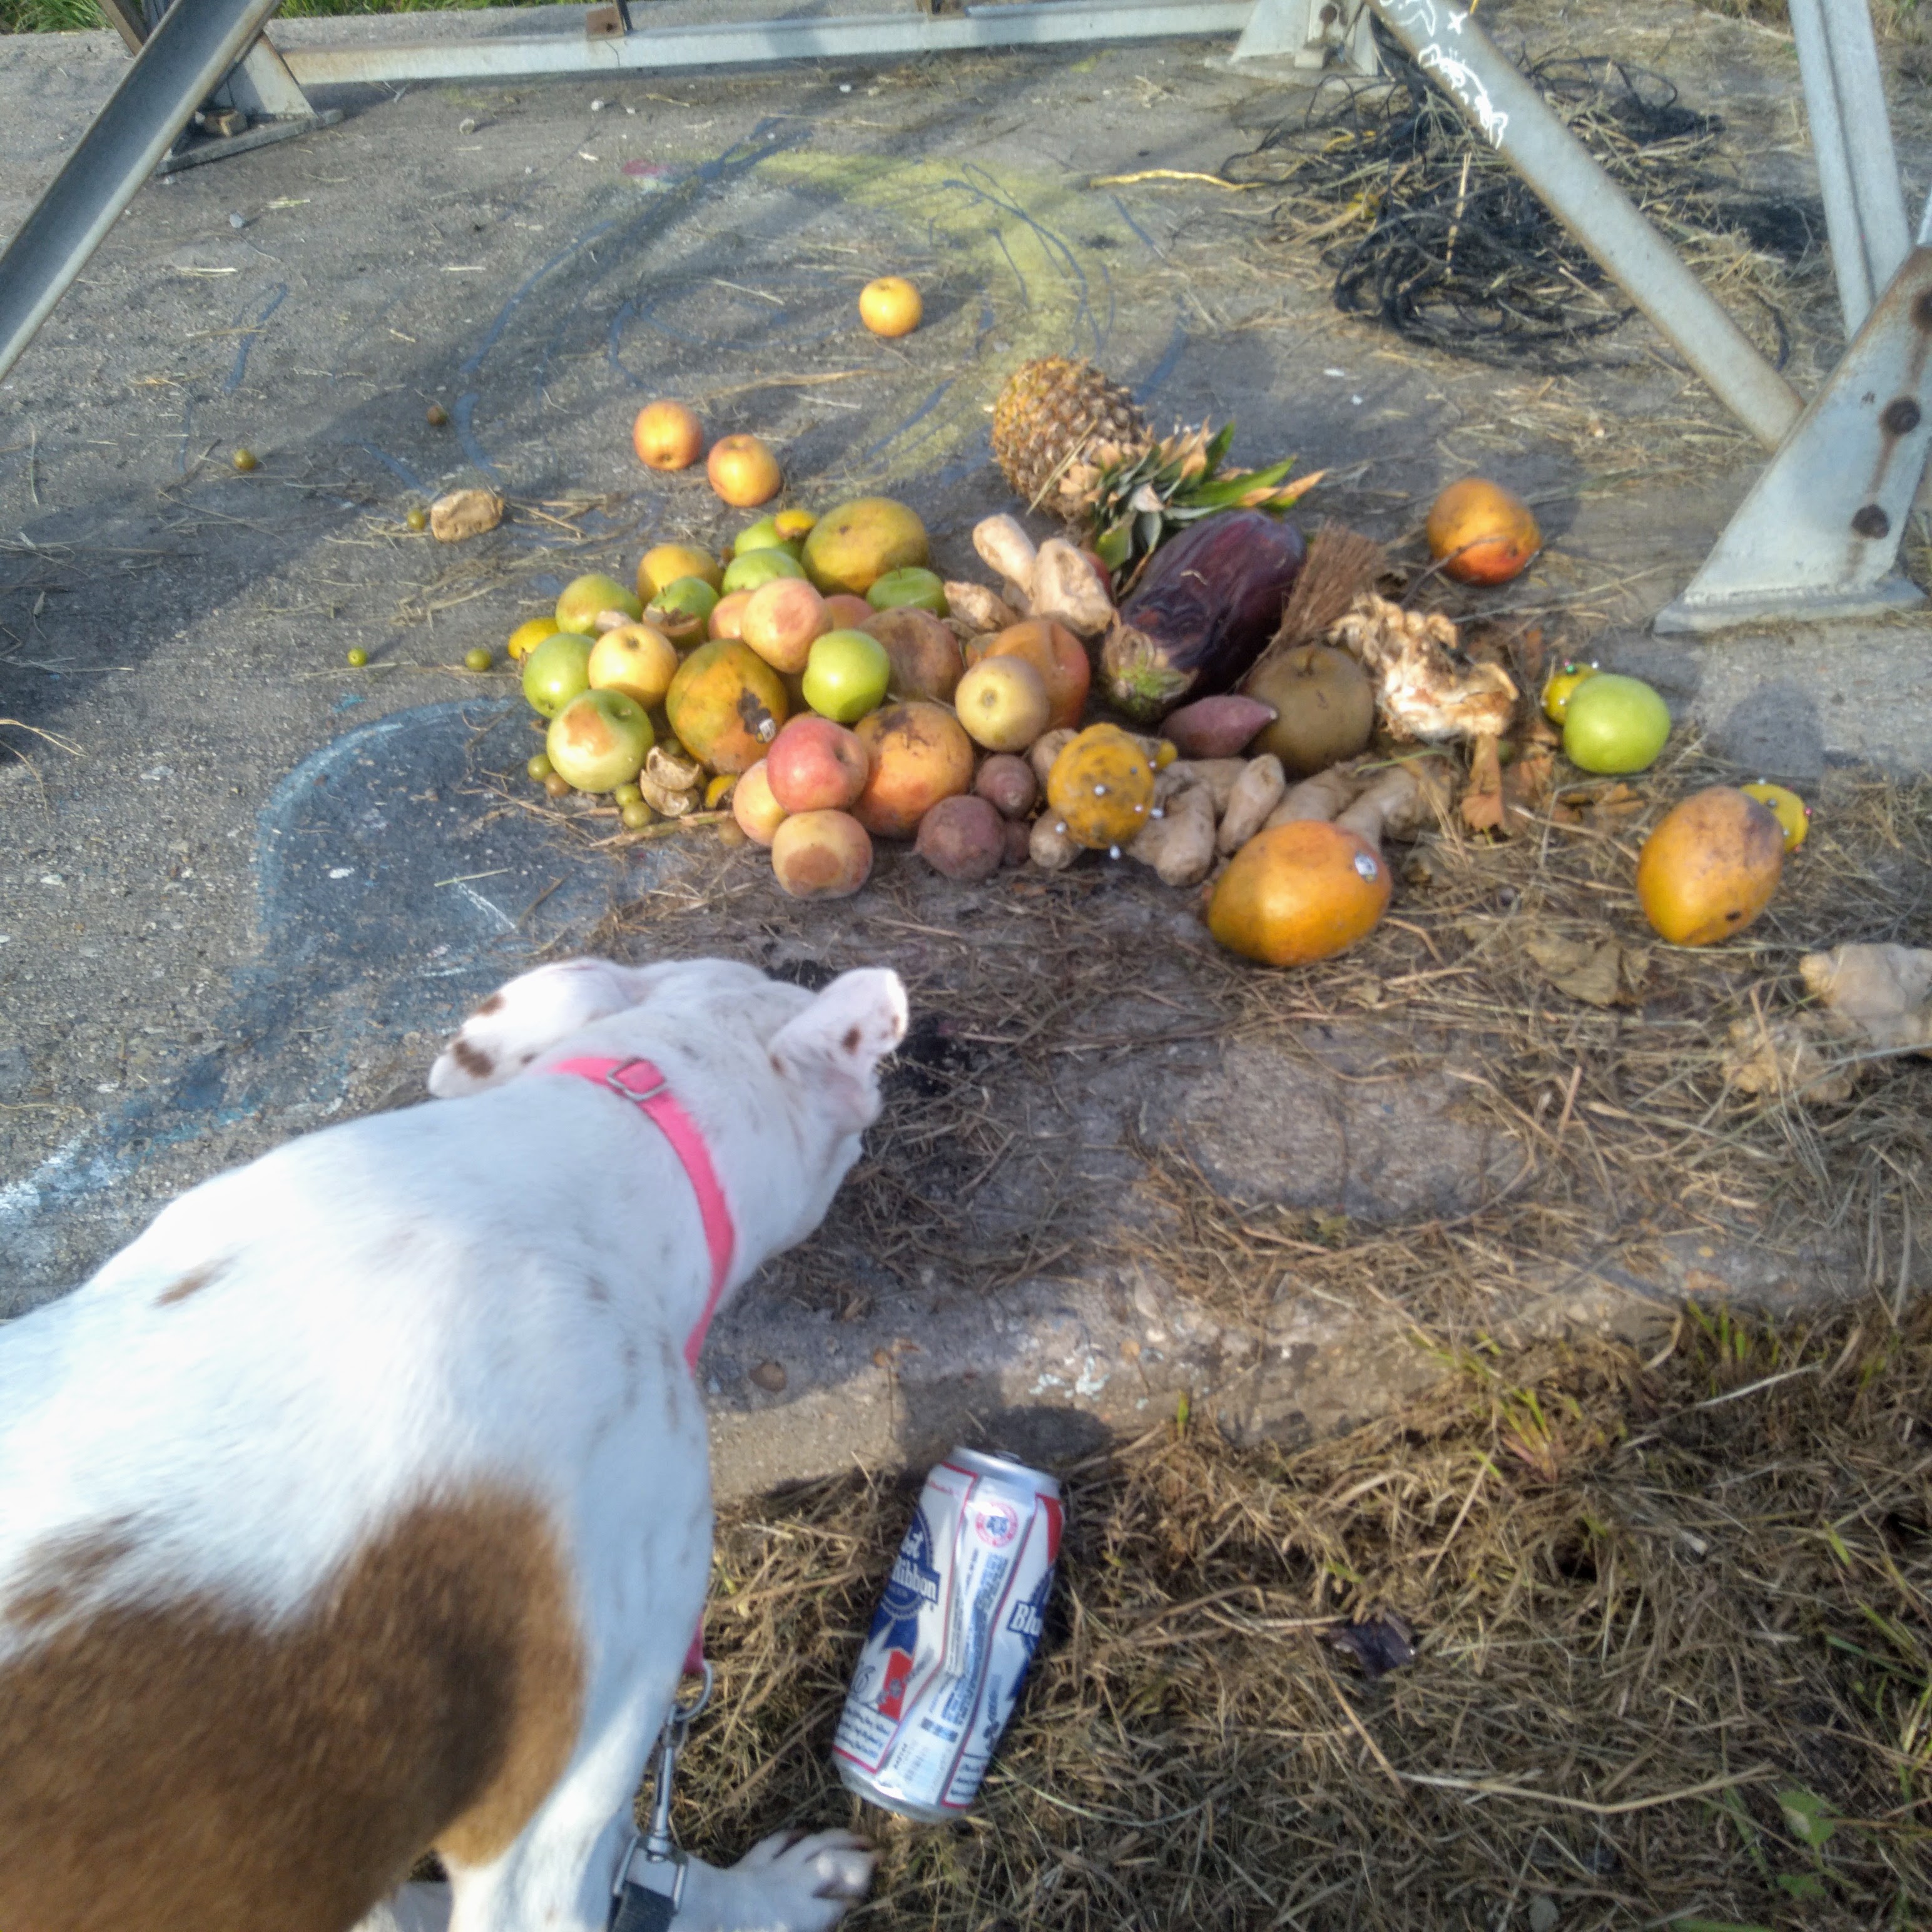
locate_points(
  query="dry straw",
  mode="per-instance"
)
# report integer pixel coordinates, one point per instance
(1675, 1627)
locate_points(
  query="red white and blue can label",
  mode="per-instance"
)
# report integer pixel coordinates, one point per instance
(948, 1650)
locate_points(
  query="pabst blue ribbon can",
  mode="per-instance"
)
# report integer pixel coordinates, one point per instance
(950, 1645)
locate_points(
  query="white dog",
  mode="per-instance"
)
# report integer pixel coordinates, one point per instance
(362, 1504)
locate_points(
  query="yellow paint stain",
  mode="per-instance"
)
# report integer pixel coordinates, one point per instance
(1015, 271)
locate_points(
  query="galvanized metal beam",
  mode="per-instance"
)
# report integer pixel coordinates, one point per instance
(1851, 140)
(871, 36)
(1494, 95)
(1311, 34)
(1818, 535)
(196, 44)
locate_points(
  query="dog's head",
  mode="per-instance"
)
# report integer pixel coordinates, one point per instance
(729, 1023)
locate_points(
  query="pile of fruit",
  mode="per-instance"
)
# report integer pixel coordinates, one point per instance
(821, 688)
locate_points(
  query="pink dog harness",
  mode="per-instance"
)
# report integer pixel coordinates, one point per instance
(648, 1089)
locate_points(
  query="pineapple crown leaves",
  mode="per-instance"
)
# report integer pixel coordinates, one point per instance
(1137, 505)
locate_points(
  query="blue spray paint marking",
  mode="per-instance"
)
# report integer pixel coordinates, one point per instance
(493, 333)
(1120, 208)
(394, 465)
(378, 887)
(1170, 358)
(1058, 250)
(925, 410)
(241, 368)
(461, 416)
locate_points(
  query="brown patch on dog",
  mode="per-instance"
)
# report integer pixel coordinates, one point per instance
(193, 1283)
(850, 1043)
(473, 1060)
(494, 1004)
(68, 1567)
(182, 1767)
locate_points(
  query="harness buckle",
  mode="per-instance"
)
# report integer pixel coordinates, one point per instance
(614, 1080)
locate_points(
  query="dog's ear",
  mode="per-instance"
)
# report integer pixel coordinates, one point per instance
(833, 1048)
(528, 1016)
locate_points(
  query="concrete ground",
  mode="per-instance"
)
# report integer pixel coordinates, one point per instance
(245, 889)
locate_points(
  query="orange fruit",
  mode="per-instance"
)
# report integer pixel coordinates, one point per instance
(667, 436)
(1711, 867)
(743, 471)
(1304, 891)
(1481, 533)
(890, 306)
(526, 638)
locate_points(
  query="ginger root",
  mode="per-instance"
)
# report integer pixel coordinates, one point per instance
(1326, 795)
(1219, 775)
(1049, 845)
(979, 609)
(1255, 793)
(1180, 844)
(1881, 995)
(1406, 799)
(1044, 749)
(1005, 547)
(1065, 587)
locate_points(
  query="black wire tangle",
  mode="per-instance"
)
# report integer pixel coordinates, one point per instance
(1460, 254)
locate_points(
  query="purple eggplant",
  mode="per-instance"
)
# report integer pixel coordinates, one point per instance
(1203, 611)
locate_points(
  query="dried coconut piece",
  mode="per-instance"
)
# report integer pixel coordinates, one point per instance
(464, 513)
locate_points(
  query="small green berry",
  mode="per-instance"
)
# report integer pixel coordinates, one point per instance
(358, 657)
(479, 659)
(637, 815)
(556, 784)
(539, 768)
(627, 793)
(243, 460)
(418, 521)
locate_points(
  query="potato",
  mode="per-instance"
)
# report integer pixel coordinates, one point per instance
(962, 838)
(1007, 783)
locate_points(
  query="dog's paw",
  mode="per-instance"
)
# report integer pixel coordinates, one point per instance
(788, 1883)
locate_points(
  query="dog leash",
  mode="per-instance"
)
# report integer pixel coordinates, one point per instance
(646, 1898)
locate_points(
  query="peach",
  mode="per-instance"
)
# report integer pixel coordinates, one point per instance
(667, 436)
(782, 620)
(758, 813)
(926, 658)
(1003, 703)
(1059, 657)
(727, 616)
(816, 766)
(743, 471)
(821, 855)
(919, 754)
(849, 613)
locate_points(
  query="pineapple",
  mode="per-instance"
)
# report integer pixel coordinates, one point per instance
(1071, 441)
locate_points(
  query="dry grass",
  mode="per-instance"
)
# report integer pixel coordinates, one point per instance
(1623, 1134)
(1673, 1621)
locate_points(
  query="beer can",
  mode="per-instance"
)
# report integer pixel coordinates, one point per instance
(948, 1647)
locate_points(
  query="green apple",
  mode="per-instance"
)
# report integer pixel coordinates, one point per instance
(1614, 723)
(557, 671)
(598, 741)
(584, 597)
(763, 535)
(682, 609)
(757, 568)
(846, 675)
(910, 585)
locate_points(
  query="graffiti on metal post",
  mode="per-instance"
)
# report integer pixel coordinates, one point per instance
(1422, 19)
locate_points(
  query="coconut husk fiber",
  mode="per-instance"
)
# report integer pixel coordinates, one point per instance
(1671, 1621)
